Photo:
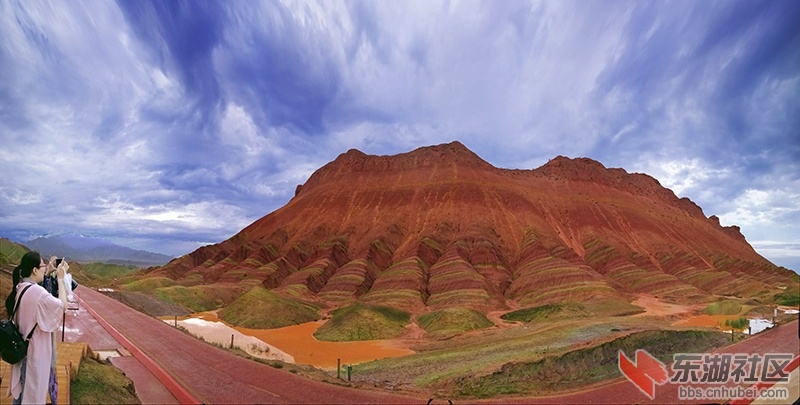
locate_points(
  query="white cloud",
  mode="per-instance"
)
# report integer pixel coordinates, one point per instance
(95, 108)
(205, 216)
(683, 176)
(20, 197)
(765, 208)
(783, 253)
(166, 85)
(240, 133)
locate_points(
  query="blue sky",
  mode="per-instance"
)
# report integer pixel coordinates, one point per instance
(169, 125)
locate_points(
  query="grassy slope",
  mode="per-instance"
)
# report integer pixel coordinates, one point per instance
(105, 270)
(149, 284)
(451, 321)
(585, 366)
(725, 307)
(101, 383)
(101, 274)
(199, 298)
(546, 312)
(439, 363)
(5, 289)
(263, 309)
(790, 297)
(363, 322)
(11, 253)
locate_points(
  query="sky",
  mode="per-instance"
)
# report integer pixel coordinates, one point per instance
(166, 126)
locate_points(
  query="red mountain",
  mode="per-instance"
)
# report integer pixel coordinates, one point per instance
(440, 227)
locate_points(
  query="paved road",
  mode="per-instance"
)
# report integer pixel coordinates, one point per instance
(81, 326)
(213, 375)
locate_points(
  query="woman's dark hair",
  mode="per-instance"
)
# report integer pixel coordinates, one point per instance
(30, 261)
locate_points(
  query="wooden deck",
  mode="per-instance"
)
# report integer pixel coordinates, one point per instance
(68, 363)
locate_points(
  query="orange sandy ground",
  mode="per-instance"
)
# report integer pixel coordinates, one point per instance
(708, 320)
(655, 307)
(299, 341)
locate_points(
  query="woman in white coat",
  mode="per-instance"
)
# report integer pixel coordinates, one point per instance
(40, 310)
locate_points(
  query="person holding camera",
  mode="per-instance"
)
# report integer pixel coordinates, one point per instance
(39, 311)
(50, 283)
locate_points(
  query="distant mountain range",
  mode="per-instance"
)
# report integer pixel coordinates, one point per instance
(81, 248)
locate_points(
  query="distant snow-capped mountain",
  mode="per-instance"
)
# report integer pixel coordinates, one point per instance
(87, 249)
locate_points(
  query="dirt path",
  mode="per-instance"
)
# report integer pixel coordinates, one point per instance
(215, 376)
(495, 317)
(656, 307)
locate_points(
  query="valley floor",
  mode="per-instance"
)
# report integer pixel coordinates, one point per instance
(419, 365)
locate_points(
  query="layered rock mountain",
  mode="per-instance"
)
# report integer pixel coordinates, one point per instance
(439, 227)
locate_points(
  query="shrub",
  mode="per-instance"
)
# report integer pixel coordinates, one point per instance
(790, 297)
(727, 307)
(740, 323)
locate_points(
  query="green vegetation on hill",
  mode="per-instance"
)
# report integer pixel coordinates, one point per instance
(586, 366)
(150, 284)
(101, 383)
(546, 312)
(11, 252)
(452, 321)
(5, 289)
(364, 322)
(101, 274)
(727, 307)
(575, 309)
(199, 298)
(260, 308)
(106, 270)
(790, 297)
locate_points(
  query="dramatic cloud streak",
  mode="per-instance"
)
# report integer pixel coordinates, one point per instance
(167, 125)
